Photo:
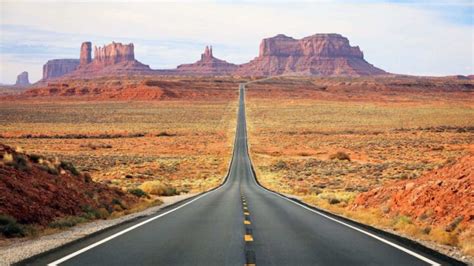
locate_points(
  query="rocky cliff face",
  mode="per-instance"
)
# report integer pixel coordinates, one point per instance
(208, 65)
(112, 59)
(85, 56)
(113, 53)
(22, 79)
(319, 54)
(59, 67)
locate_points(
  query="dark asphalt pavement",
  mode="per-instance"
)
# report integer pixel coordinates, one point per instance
(239, 223)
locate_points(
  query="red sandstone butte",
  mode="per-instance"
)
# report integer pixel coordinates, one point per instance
(112, 59)
(59, 67)
(22, 79)
(208, 65)
(319, 55)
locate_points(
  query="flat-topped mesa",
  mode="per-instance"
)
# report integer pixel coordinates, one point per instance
(318, 54)
(208, 65)
(22, 79)
(321, 45)
(59, 67)
(113, 53)
(109, 60)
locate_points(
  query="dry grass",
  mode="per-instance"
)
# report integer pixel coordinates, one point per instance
(186, 144)
(328, 145)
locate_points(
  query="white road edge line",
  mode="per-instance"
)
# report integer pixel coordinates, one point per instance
(434, 263)
(416, 255)
(74, 254)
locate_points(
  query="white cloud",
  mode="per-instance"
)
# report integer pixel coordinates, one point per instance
(397, 38)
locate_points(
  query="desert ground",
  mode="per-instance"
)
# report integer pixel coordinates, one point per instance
(148, 149)
(347, 145)
(336, 143)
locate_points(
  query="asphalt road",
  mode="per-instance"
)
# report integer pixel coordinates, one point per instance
(240, 223)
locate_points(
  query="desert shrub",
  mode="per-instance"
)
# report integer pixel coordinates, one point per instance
(333, 201)
(7, 157)
(170, 191)
(119, 203)
(20, 162)
(450, 227)
(91, 213)
(94, 146)
(342, 156)
(49, 168)
(138, 192)
(402, 220)
(102, 213)
(9, 227)
(465, 241)
(426, 230)
(279, 165)
(68, 221)
(158, 188)
(69, 167)
(165, 134)
(337, 197)
(87, 178)
(35, 158)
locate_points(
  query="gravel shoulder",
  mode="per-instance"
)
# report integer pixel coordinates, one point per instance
(21, 249)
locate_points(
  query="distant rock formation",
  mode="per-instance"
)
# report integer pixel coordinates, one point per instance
(22, 79)
(316, 55)
(112, 59)
(114, 53)
(208, 65)
(59, 67)
(85, 57)
(319, 54)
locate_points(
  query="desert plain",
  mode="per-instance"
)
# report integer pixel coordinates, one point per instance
(345, 145)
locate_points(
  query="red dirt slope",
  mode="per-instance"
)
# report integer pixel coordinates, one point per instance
(441, 197)
(35, 190)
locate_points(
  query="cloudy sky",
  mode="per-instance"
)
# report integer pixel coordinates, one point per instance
(409, 37)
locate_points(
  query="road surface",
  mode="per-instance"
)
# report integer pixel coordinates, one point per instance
(240, 223)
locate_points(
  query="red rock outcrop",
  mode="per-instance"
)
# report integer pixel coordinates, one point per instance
(59, 67)
(113, 53)
(208, 65)
(35, 190)
(112, 59)
(319, 54)
(439, 197)
(22, 79)
(85, 57)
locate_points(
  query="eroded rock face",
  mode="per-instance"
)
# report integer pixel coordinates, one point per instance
(22, 79)
(109, 60)
(85, 57)
(208, 65)
(319, 54)
(113, 53)
(59, 67)
(445, 194)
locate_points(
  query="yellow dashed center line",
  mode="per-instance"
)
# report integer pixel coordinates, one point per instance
(248, 238)
(247, 213)
(247, 222)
